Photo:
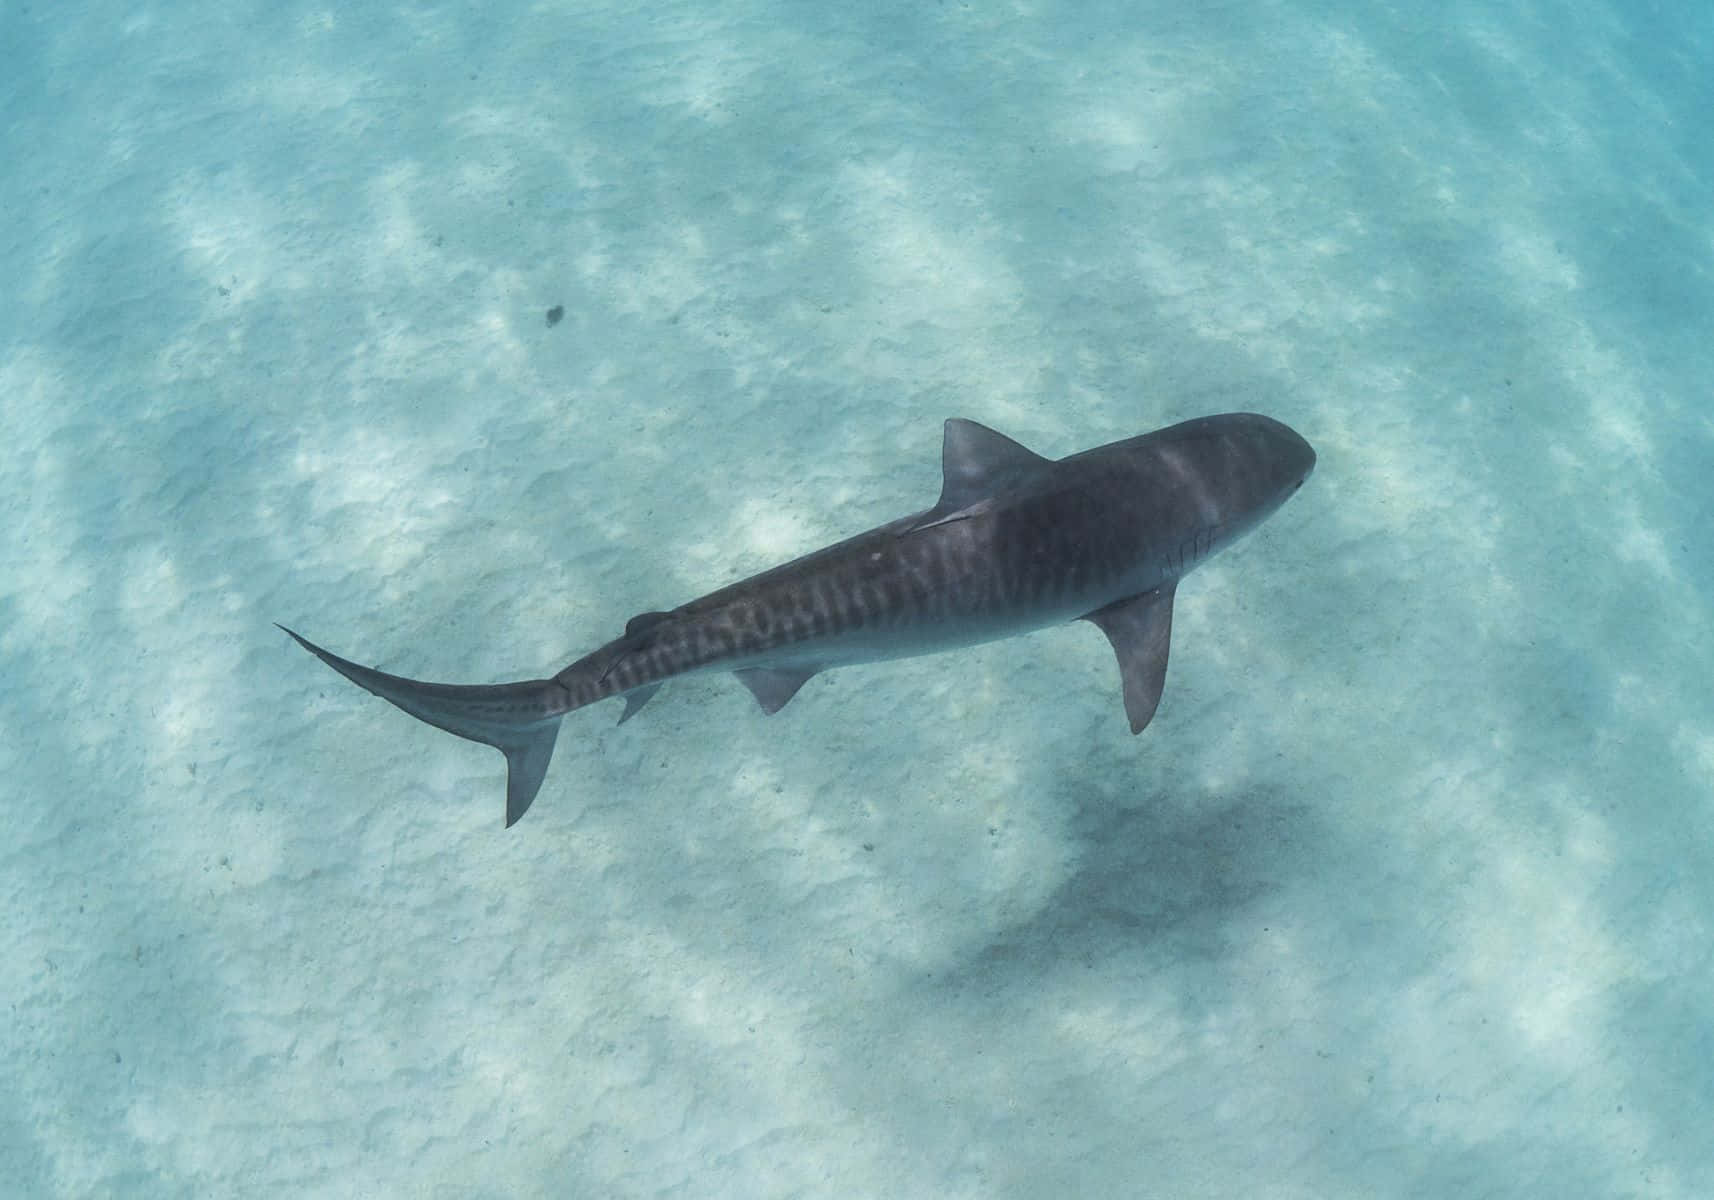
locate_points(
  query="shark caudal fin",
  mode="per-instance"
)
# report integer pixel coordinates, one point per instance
(521, 720)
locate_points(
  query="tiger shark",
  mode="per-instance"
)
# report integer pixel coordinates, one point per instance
(1016, 542)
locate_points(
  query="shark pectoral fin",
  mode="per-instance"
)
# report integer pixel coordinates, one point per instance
(773, 686)
(1140, 630)
(635, 699)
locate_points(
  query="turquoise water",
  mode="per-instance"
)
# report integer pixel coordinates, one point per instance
(1408, 890)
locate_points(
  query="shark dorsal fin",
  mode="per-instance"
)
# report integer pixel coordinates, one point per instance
(976, 462)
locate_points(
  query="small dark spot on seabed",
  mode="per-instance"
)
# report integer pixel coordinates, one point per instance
(555, 314)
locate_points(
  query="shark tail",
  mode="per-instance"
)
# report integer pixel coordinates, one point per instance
(521, 720)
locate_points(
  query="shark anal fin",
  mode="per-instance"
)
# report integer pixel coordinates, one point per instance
(773, 686)
(1140, 631)
(527, 761)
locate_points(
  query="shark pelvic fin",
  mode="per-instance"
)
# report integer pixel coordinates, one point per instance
(774, 686)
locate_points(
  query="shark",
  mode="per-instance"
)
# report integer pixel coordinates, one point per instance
(1016, 542)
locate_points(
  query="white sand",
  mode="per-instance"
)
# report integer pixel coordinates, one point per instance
(1409, 890)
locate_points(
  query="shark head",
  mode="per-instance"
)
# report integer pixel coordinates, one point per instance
(1277, 457)
(1239, 466)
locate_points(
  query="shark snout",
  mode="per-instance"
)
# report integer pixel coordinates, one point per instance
(1299, 453)
(1286, 456)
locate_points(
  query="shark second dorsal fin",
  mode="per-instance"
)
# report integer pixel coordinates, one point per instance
(643, 622)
